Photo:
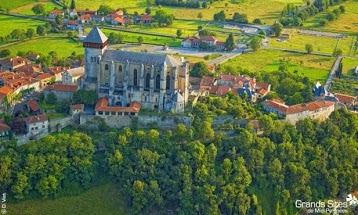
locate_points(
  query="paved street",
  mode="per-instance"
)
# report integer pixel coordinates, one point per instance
(333, 73)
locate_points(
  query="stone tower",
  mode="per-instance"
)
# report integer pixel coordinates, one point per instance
(95, 44)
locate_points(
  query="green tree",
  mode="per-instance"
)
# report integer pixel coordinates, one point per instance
(38, 9)
(148, 10)
(221, 16)
(140, 40)
(255, 43)
(199, 70)
(257, 21)
(30, 33)
(309, 48)
(40, 30)
(200, 15)
(17, 34)
(105, 10)
(179, 32)
(73, 5)
(230, 43)
(4, 53)
(277, 29)
(51, 98)
(331, 16)
(82, 96)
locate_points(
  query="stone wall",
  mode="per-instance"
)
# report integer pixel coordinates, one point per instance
(141, 121)
(58, 124)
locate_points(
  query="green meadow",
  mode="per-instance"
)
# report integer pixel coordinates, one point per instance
(9, 23)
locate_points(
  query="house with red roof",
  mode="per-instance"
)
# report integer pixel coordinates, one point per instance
(5, 131)
(319, 110)
(12, 64)
(118, 21)
(102, 108)
(62, 91)
(76, 109)
(36, 125)
(210, 41)
(349, 101)
(53, 14)
(33, 107)
(6, 95)
(146, 19)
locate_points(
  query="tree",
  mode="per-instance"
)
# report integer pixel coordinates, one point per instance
(163, 18)
(150, 2)
(337, 52)
(30, 33)
(277, 29)
(331, 16)
(4, 53)
(257, 21)
(204, 4)
(255, 43)
(309, 48)
(38, 9)
(148, 10)
(140, 40)
(179, 32)
(87, 97)
(59, 20)
(104, 10)
(342, 8)
(40, 30)
(230, 43)
(221, 16)
(200, 15)
(51, 98)
(240, 18)
(323, 22)
(17, 34)
(73, 5)
(199, 70)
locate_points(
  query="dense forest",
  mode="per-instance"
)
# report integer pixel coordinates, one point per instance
(197, 171)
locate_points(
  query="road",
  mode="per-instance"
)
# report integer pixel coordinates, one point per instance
(333, 73)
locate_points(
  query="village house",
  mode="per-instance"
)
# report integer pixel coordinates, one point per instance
(146, 19)
(85, 12)
(30, 70)
(349, 101)
(86, 19)
(318, 90)
(6, 95)
(72, 25)
(36, 125)
(73, 13)
(33, 56)
(46, 79)
(234, 83)
(53, 14)
(319, 110)
(57, 71)
(76, 109)
(33, 107)
(118, 21)
(12, 64)
(97, 18)
(5, 131)
(211, 41)
(73, 76)
(102, 108)
(62, 91)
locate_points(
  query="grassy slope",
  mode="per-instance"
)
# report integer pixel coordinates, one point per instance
(314, 67)
(347, 22)
(349, 64)
(63, 46)
(102, 199)
(9, 23)
(267, 10)
(49, 6)
(11, 4)
(320, 44)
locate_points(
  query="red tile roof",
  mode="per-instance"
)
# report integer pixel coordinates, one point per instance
(77, 107)
(192, 40)
(4, 126)
(345, 98)
(56, 12)
(34, 119)
(207, 81)
(146, 17)
(45, 76)
(222, 90)
(33, 105)
(102, 105)
(311, 106)
(208, 38)
(86, 16)
(5, 90)
(120, 20)
(62, 87)
(13, 62)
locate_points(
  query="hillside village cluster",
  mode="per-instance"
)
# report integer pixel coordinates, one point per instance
(126, 82)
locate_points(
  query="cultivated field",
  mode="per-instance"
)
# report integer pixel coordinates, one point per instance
(315, 67)
(63, 46)
(320, 44)
(347, 22)
(11, 4)
(349, 65)
(102, 199)
(9, 23)
(49, 6)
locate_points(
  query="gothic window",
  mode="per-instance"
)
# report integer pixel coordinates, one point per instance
(157, 82)
(147, 81)
(120, 68)
(91, 59)
(135, 78)
(106, 67)
(168, 82)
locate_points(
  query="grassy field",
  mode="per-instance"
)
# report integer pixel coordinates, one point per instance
(130, 37)
(268, 10)
(26, 9)
(9, 23)
(320, 44)
(63, 46)
(346, 23)
(102, 199)
(8, 4)
(315, 67)
(349, 65)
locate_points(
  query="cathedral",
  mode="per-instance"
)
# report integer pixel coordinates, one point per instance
(156, 81)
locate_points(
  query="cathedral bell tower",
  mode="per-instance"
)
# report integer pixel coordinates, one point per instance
(95, 44)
